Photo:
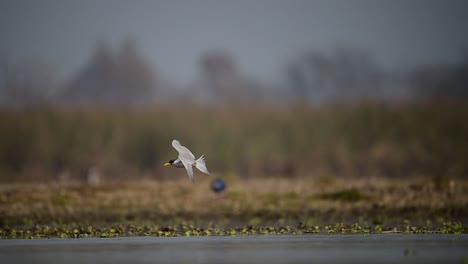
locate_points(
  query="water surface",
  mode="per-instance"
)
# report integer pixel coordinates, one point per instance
(376, 248)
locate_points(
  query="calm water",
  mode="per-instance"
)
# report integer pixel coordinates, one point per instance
(388, 248)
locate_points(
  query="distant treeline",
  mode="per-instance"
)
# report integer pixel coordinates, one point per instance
(123, 77)
(426, 139)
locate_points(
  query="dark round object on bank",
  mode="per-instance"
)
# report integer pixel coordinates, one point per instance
(218, 185)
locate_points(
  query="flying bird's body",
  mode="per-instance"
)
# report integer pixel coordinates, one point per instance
(187, 160)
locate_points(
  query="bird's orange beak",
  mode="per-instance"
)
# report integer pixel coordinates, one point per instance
(167, 164)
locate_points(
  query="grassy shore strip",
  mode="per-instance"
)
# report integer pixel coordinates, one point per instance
(184, 229)
(254, 206)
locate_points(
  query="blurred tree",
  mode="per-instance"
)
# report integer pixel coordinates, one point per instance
(344, 74)
(218, 65)
(448, 82)
(26, 83)
(223, 82)
(297, 77)
(112, 79)
(96, 79)
(137, 83)
(220, 74)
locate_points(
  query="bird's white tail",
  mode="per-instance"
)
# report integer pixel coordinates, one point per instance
(200, 165)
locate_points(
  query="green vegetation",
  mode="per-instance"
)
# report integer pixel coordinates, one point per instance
(340, 140)
(183, 229)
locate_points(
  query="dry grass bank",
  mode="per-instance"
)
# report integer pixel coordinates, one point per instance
(252, 201)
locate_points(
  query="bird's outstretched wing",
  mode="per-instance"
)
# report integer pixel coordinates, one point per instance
(188, 168)
(187, 158)
(183, 151)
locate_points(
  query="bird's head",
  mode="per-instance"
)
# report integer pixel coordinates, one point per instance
(169, 163)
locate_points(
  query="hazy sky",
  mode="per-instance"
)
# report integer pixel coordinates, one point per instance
(261, 34)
